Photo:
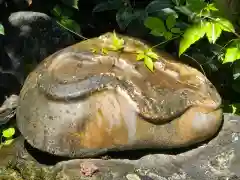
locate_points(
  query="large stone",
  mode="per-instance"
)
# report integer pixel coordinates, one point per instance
(32, 36)
(215, 160)
(29, 38)
(81, 103)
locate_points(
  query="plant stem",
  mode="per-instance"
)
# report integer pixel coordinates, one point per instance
(196, 62)
(159, 44)
(220, 51)
(79, 35)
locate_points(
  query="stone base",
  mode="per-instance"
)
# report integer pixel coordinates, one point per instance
(220, 158)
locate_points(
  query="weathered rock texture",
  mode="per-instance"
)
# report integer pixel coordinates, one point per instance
(219, 159)
(29, 38)
(81, 103)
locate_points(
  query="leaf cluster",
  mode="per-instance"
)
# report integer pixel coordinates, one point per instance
(6, 136)
(63, 17)
(197, 26)
(125, 14)
(165, 28)
(147, 55)
(211, 28)
(187, 20)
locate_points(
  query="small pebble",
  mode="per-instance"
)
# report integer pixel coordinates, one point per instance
(133, 177)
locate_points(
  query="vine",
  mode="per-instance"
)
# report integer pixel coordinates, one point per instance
(147, 55)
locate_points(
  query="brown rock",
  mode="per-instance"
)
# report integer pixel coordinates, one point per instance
(88, 168)
(82, 103)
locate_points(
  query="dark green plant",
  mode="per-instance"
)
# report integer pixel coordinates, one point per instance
(200, 28)
(203, 22)
(186, 21)
(2, 29)
(125, 14)
(63, 17)
(6, 136)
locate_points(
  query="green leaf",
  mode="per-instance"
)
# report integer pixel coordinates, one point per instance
(231, 108)
(167, 35)
(236, 70)
(147, 55)
(56, 11)
(178, 2)
(170, 21)
(234, 108)
(211, 7)
(213, 31)
(235, 43)
(149, 63)
(109, 5)
(225, 24)
(151, 54)
(176, 30)
(236, 86)
(104, 51)
(94, 50)
(191, 35)
(140, 56)
(140, 14)
(59, 11)
(71, 3)
(117, 43)
(155, 23)
(169, 11)
(157, 32)
(156, 6)
(7, 133)
(196, 5)
(8, 142)
(232, 54)
(184, 10)
(2, 29)
(70, 24)
(124, 17)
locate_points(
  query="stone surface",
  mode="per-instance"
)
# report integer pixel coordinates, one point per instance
(80, 103)
(218, 159)
(8, 109)
(32, 36)
(29, 38)
(9, 152)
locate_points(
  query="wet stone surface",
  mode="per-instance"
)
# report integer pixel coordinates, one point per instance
(29, 38)
(79, 103)
(217, 159)
(75, 92)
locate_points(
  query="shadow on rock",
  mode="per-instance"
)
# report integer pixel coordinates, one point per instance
(50, 159)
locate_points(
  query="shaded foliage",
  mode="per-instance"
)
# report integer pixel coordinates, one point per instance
(203, 33)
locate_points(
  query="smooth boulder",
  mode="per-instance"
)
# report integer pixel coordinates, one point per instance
(82, 103)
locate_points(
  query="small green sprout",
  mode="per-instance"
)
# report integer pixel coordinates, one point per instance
(234, 109)
(7, 142)
(117, 43)
(94, 50)
(104, 51)
(8, 133)
(148, 56)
